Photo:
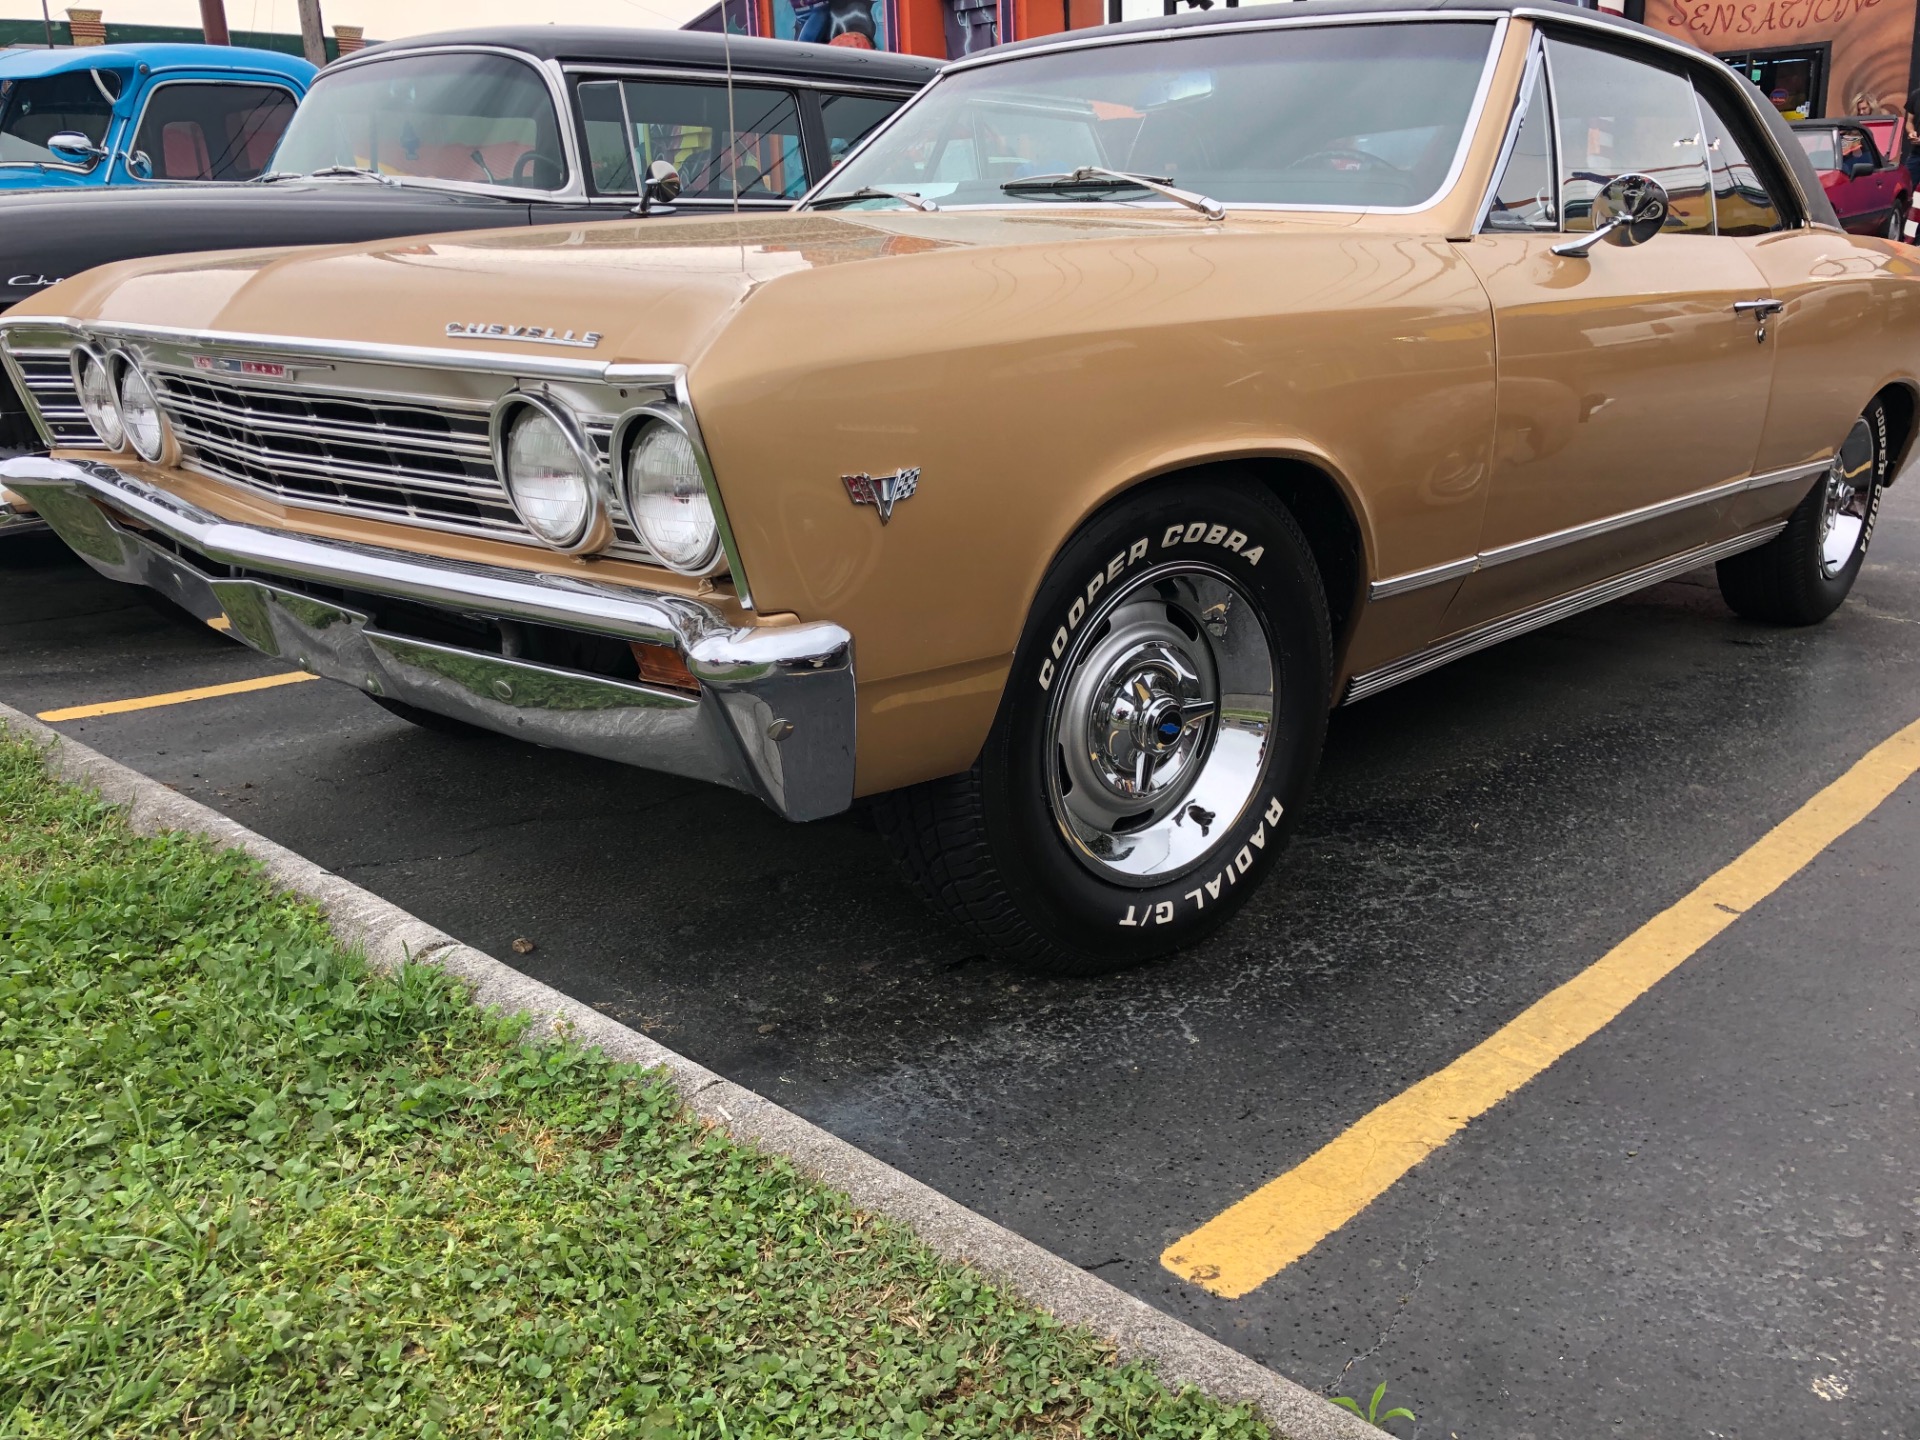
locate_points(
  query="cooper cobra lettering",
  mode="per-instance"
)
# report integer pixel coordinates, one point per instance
(1238, 863)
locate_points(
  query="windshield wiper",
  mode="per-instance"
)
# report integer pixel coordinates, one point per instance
(359, 170)
(1098, 177)
(869, 192)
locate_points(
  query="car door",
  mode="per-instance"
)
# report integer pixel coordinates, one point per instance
(1631, 391)
(1835, 335)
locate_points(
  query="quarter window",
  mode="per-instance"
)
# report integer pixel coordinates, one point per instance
(1743, 201)
(687, 124)
(211, 132)
(1524, 198)
(850, 118)
(1619, 116)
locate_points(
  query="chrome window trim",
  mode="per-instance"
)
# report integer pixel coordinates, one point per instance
(1480, 637)
(132, 135)
(593, 70)
(629, 202)
(1692, 58)
(549, 71)
(1539, 544)
(1523, 101)
(1476, 112)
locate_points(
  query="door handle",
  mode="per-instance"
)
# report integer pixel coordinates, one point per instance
(1759, 309)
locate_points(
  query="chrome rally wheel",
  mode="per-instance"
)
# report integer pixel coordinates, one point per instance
(1158, 728)
(1802, 575)
(1157, 736)
(1851, 487)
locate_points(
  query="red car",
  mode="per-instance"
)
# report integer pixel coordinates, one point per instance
(1859, 165)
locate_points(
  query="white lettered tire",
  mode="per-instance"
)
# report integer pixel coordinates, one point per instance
(1159, 732)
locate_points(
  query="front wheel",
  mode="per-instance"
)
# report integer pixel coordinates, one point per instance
(1161, 726)
(1801, 575)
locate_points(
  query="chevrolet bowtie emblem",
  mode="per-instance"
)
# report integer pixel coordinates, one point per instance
(882, 492)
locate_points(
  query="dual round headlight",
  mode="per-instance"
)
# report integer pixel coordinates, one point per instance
(98, 398)
(552, 479)
(666, 498)
(120, 404)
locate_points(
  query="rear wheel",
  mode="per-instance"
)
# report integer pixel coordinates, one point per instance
(1896, 223)
(1803, 574)
(1161, 726)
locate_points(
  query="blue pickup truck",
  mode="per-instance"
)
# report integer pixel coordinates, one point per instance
(143, 114)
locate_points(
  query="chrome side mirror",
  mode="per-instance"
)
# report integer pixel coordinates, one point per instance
(1629, 210)
(662, 186)
(70, 147)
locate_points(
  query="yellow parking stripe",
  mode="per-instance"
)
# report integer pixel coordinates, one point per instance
(220, 623)
(1252, 1241)
(176, 697)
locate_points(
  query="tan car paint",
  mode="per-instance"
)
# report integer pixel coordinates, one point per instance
(1034, 363)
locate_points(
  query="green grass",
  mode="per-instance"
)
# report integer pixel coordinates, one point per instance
(249, 1187)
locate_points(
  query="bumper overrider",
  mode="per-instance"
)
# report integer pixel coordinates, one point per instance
(774, 711)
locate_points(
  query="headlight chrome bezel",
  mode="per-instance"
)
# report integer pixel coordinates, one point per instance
(595, 532)
(78, 359)
(122, 368)
(627, 434)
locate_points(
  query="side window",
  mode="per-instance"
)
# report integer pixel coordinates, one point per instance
(1743, 202)
(687, 124)
(605, 126)
(1620, 116)
(1524, 197)
(1857, 150)
(848, 118)
(193, 131)
(33, 111)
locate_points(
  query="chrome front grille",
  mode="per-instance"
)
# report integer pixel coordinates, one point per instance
(49, 382)
(424, 462)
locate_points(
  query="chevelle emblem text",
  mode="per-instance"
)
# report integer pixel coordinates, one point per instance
(536, 334)
(882, 491)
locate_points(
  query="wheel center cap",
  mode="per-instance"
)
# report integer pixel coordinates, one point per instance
(1157, 726)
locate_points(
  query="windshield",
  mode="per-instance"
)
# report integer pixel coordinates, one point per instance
(33, 111)
(480, 119)
(1346, 115)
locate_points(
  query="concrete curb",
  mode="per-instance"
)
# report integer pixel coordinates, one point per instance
(389, 936)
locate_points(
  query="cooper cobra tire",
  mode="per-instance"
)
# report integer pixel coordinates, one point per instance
(1801, 575)
(1159, 732)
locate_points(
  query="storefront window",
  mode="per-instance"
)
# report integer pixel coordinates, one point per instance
(1794, 80)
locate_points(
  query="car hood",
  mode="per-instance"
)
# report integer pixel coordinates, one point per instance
(48, 234)
(655, 290)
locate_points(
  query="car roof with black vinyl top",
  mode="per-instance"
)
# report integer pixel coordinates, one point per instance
(703, 49)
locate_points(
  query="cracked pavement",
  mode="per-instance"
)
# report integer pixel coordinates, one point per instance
(1701, 1222)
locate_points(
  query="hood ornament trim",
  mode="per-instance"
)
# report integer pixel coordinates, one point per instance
(882, 492)
(531, 334)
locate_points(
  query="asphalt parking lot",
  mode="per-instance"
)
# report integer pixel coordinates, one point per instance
(1704, 1220)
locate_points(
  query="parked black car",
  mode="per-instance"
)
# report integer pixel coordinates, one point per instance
(522, 125)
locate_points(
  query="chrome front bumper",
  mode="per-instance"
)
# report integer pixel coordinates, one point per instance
(18, 522)
(774, 715)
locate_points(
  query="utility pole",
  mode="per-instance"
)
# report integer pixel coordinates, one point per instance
(47, 16)
(313, 34)
(213, 22)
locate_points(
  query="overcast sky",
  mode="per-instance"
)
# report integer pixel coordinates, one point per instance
(383, 19)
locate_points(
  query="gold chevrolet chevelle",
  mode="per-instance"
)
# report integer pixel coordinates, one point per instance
(1115, 410)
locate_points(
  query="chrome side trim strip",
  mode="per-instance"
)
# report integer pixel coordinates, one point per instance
(1420, 579)
(1573, 535)
(1505, 628)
